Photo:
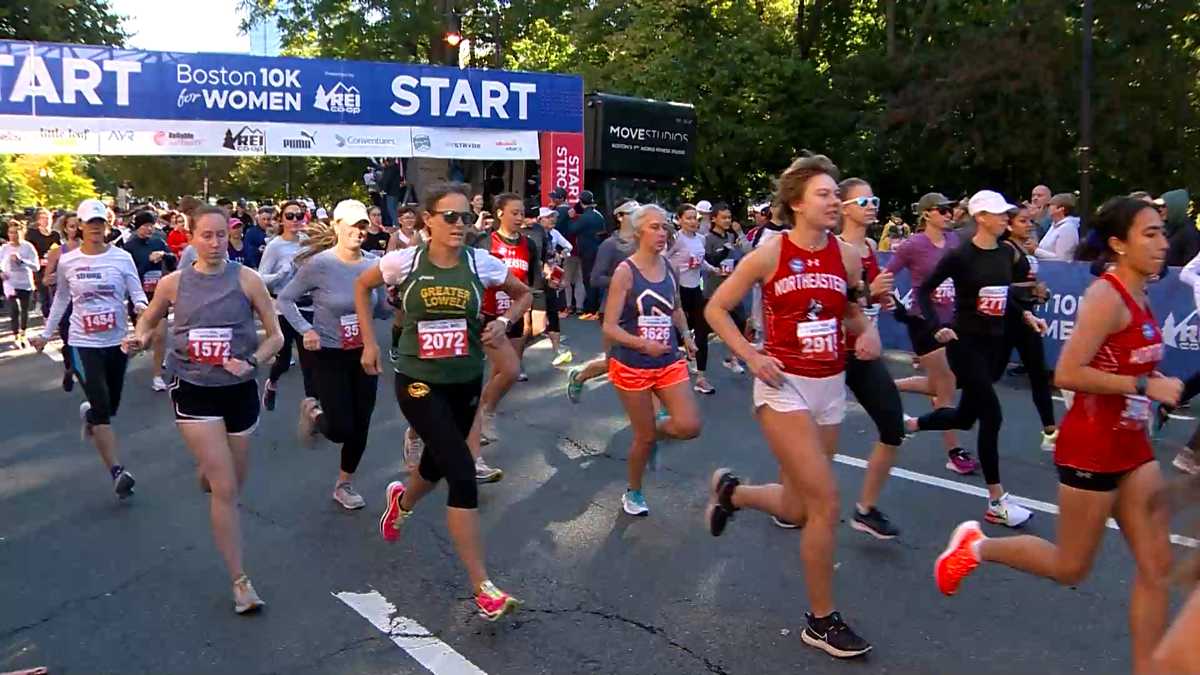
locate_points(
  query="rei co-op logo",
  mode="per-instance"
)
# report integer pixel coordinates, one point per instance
(340, 98)
(246, 140)
(1183, 334)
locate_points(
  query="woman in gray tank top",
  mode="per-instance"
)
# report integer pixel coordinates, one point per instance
(213, 354)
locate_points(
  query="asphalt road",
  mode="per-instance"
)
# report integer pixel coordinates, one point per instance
(91, 585)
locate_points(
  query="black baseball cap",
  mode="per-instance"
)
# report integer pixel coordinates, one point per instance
(587, 198)
(558, 193)
(144, 218)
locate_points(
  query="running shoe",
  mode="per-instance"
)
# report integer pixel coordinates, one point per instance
(784, 524)
(123, 484)
(703, 387)
(394, 354)
(68, 381)
(589, 316)
(345, 495)
(959, 559)
(494, 603)
(306, 426)
(1005, 511)
(832, 636)
(563, 357)
(634, 503)
(485, 473)
(414, 447)
(874, 523)
(1186, 461)
(574, 386)
(522, 377)
(1049, 441)
(269, 392)
(85, 429)
(158, 384)
(487, 429)
(393, 516)
(961, 462)
(1162, 415)
(733, 365)
(245, 598)
(720, 500)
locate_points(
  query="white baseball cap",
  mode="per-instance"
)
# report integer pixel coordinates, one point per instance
(91, 209)
(350, 212)
(545, 211)
(704, 206)
(989, 201)
(322, 213)
(627, 207)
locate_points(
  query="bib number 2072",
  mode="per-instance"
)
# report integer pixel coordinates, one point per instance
(442, 339)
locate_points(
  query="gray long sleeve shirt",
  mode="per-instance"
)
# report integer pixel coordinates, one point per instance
(610, 254)
(331, 284)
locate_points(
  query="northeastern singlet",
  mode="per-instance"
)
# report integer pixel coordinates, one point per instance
(516, 256)
(1106, 433)
(803, 305)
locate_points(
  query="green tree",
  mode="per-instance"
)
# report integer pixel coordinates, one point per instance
(72, 21)
(15, 191)
(57, 181)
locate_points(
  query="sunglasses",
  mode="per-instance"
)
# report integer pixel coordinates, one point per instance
(453, 217)
(292, 215)
(862, 202)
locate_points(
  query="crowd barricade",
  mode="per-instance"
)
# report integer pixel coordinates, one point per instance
(1171, 300)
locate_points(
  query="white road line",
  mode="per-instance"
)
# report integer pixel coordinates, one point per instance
(976, 491)
(438, 657)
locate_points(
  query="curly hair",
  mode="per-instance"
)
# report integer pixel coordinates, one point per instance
(793, 180)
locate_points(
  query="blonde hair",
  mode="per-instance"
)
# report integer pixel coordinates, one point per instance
(322, 236)
(795, 178)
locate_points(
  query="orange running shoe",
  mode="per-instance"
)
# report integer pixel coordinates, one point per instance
(959, 559)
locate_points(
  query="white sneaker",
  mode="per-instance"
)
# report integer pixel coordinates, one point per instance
(1007, 512)
(487, 429)
(414, 447)
(563, 357)
(1186, 461)
(306, 427)
(1049, 441)
(157, 384)
(734, 366)
(345, 495)
(85, 429)
(485, 473)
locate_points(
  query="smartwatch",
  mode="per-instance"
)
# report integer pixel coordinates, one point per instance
(252, 360)
(1140, 384)
(507, 321)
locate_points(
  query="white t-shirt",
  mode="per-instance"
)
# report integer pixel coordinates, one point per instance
(395, 266)
(19, 273)
(686, 255)
(97, 286)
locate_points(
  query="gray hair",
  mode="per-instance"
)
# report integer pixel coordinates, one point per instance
(639, 214)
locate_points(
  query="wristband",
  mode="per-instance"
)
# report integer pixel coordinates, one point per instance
(252, 360)
(507, 321)
(1140, 385)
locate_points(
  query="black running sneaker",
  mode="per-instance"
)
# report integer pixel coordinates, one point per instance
(720, 502)
(1162, 415)
(123, 484)
(268, 397)
(68, 381)
(833, 636)
(874, 523)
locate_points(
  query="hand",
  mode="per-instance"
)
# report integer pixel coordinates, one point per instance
(690, 345)
(1165, 390)
(237, 367)
(888, 302)
(156, 256)
(132, 344)
(1034, 322)
(38, 342)
(868, 346)
(766, 368)
(370, 359)
(312, 341)
(653, 348)
(737, 227)
(1030, 245)
(493, 334)
(945, 335)
(882, 285)
(1041, 292)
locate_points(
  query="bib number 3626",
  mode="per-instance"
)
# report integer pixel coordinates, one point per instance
(100, 322)
(351, 336)
(656, 328)
(442, 339)
(210, 345)
(818, 339)
(992, 300)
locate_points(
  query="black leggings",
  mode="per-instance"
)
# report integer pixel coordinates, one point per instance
(552, 325)
(701, 327)
(64, 331)
(442, 415)
(875, 390)
(977, 362)
(347, 396)
(18, 310)
(283, 360)
(101, 373)
(1033, 356)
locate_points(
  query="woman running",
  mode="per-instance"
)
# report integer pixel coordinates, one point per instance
(686, 256)
(212, 357)
(982, 270)
(869, 379)
(1106, 465)
(95, 283)
(799, 387)
(18, 262)
(919, 254)
(327, 267)
(1028, 291)
(237, 242)
(439, 372)
(643, 321)
(67, 226)
(276, 268)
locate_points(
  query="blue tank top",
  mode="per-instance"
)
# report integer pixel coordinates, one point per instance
(647, 313)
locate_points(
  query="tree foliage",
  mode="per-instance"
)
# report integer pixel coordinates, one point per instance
(72, 21)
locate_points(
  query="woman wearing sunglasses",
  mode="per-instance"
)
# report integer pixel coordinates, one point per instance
(276, 268)
(439, 372)
(919, 255)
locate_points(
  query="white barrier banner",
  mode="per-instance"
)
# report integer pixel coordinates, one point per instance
(474, 143)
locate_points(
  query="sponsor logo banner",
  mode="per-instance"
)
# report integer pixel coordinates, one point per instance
(474, 143)
(562, 164)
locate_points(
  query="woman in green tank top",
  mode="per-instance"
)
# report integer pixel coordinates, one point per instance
(439, 369)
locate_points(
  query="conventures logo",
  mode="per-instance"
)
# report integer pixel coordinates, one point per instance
(246, 140)
(344, 141)
(307, 141)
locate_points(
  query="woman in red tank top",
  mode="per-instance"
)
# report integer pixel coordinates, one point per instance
(1105, 463)
(799, 389)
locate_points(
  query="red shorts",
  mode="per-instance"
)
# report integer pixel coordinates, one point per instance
(628, 378)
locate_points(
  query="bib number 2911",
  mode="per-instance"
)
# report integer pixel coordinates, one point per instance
(442, 339)
(818, 339)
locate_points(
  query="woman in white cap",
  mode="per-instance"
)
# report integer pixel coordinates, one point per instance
(331, 260)
(983, 270)
(553, 276)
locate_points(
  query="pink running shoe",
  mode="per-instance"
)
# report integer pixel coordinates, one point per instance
(393, 516)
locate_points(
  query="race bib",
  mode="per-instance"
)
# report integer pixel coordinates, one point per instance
(818, 339)
(351, 337)
(693, 263)
(992, 300)
(872, 313)
(503, 302)
(210, 345)
(150, 281)
(442, 339)
(1136, 412)
(944, 293)
(99, 322)
(727, 266)
(656, 328)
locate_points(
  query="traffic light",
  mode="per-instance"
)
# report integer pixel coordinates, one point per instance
(453, 36)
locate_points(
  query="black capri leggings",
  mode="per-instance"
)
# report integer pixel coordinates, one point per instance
(101, 373)
(442, 415)
(347, 396)
(875, 390)
(977, 362)
(283, 360)
(18, 310)
(693, 307)
(552, 325)
(1033, 356)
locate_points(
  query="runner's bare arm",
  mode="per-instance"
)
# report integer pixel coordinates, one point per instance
(366, 282)
(255, 289)
(164, 296)
(618, 288)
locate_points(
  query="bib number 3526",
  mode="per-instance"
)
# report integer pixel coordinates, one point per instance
(442, 339)
(351, 336)
(818, 339)
(656, 328)
(210, 345)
